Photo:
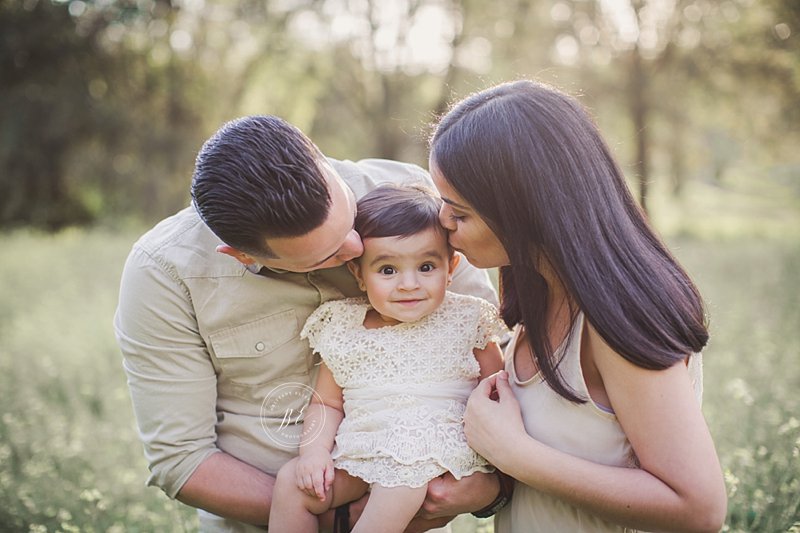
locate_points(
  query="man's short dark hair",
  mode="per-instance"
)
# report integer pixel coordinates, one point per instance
(259, 177)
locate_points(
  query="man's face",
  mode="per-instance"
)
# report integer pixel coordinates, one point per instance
(329, 245)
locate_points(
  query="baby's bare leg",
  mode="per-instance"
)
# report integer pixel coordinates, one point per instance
(390, 509)
(295, 511)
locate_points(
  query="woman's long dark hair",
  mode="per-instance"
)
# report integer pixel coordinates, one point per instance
(532, 163)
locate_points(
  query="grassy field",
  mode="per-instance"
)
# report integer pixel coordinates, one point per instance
(70, 459)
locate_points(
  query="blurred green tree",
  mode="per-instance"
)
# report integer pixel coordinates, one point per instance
(104, 104)
(670, 67)
(43, 111)
(87, 97)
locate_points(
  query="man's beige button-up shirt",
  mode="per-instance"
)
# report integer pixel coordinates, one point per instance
(205, 341)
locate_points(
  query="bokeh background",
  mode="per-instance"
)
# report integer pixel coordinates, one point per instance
(105, 103)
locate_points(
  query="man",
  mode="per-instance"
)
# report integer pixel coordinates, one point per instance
(212, 301)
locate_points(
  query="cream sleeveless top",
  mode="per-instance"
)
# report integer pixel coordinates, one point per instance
(583, 430)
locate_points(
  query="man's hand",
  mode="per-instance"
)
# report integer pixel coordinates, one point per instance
(448, 497)
(315, 472)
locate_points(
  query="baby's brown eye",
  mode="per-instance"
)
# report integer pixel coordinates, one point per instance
(387, 271)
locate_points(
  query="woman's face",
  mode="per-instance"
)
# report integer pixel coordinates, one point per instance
(469, 234)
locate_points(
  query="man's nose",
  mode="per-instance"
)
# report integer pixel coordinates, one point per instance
(351, 248)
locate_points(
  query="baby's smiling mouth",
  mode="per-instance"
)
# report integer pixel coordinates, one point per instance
(410, 301)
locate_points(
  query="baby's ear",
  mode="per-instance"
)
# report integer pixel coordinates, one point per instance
(355, 269)
(455, 259)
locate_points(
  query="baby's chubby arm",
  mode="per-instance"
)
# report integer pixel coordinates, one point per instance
(490, 359)
(315, 466)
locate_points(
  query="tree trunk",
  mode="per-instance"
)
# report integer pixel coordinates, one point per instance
(639, 112)
(678, 153)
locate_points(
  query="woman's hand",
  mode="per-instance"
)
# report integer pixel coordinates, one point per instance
(492, 421)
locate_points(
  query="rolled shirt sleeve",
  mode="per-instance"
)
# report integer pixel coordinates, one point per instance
(205, 344)
(172, 382)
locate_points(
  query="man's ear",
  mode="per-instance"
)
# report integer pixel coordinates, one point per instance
(240, 256)
(455, 259)
(355, 269)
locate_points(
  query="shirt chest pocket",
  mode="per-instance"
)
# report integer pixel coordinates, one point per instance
(260, 351)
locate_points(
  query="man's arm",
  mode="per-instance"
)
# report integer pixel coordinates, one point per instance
(227, 487)
(173, 390)
(448, 497)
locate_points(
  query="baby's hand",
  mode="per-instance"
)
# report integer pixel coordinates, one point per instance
(315, 472)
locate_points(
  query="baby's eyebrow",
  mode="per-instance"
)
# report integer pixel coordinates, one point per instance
(381, 258)
(435, 254)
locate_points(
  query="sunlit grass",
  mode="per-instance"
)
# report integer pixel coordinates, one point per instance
(746, 204)
(70, 459)
(752, 375)
(69, 455)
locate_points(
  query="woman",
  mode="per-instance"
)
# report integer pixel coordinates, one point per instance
(597, 413)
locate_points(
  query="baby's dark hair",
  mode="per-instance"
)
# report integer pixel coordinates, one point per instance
(398, 211)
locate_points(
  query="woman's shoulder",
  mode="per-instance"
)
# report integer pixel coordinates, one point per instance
(617, 370)
(594, 344)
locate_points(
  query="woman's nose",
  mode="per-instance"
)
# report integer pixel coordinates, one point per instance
(444, 218)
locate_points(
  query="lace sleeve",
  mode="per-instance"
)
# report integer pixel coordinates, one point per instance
(491, 327)
(317, 322)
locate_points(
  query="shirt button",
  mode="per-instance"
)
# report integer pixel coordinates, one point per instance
(260, 346)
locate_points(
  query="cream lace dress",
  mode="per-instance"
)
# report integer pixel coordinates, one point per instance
(405, 387)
